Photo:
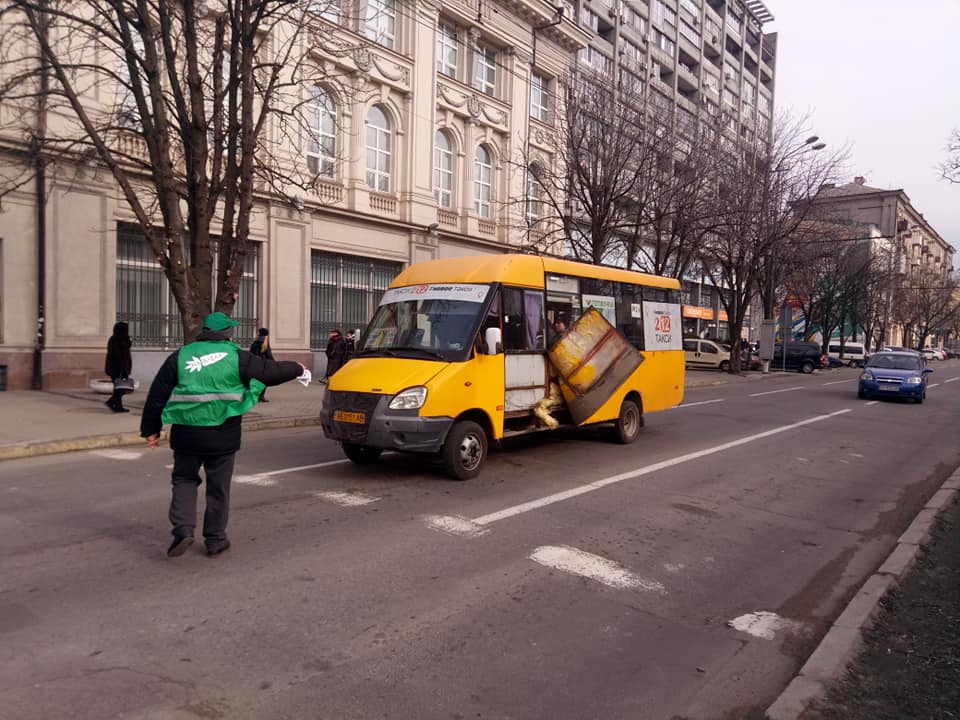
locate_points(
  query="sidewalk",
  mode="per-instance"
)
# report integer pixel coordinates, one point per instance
(43, 423)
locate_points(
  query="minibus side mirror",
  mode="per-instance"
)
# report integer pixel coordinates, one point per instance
(493, 341)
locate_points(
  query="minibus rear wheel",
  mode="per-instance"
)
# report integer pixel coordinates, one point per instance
(362, 454)
(629, 422)
(465, 450)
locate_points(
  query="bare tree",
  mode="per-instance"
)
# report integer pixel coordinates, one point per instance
(763, 202)
(585, 194)
(926, 304)
(190, 106)
(950, 168)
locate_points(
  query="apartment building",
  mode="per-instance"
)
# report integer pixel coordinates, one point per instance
(912, 248)
(414, 156)
(705, 61)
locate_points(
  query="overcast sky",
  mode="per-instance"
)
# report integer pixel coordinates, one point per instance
(885, 76)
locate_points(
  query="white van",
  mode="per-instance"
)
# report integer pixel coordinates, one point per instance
(854, 353)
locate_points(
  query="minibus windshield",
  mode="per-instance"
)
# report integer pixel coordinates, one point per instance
(437, 321)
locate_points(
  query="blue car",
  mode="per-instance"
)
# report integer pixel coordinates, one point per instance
(895, 375)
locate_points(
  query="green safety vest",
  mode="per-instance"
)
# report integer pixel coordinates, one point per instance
(209, 389)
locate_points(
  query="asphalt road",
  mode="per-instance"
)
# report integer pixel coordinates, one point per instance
(685, 576)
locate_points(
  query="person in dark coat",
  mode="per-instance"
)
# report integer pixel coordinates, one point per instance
(202, 391)
(261, 348)
(119, 363)
(336, 354)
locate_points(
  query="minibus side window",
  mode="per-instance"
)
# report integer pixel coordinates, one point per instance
(522, 320)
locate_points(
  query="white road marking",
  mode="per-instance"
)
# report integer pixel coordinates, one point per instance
(760, 624)
(873, 402)
(952, 379)
(346, 499)
(673, 568)
(118, 454)
(933, 385)
(265, 479)
(455, 525)
(476, 526)
(837, 382)
(856, 455)
(774, 392)
(577, 562)
(802, 459)
(703, 402)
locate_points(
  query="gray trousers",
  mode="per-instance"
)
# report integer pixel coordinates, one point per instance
(186, 479)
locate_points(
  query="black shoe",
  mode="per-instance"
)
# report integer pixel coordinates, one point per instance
(217, 547)
(179, 546)
(119, 408)
(110, 404)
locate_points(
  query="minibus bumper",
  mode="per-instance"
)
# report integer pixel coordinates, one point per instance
(381, 427)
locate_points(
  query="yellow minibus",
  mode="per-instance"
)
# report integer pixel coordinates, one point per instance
(456, 356)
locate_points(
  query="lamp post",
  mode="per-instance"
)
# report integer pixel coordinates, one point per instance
(768, 328)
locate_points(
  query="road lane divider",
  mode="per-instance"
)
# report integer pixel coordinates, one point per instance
(265, 479)
(951, 379)
(475, 527)
(873, 402)
(594, 567)
(933, 385)
(837, 382)
(774, 392)
(703, 402)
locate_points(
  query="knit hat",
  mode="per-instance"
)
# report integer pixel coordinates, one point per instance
(218, 322)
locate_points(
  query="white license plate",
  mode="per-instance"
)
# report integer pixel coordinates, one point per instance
(890, 388)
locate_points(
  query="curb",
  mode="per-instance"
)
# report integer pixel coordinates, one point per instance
(97, 442)
(843, 640)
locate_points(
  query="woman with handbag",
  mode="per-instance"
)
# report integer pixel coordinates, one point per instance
(118, 366)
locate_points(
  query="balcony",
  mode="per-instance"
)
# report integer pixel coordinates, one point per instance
(687, 104)
(712, 43)
(664, 58)
(383, 204)
(687, 80)
(447, 218)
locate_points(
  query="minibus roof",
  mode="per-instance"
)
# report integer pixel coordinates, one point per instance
(522, 270)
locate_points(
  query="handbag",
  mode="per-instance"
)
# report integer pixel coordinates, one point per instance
(124, 385)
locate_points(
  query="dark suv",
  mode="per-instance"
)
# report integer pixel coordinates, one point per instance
(803, 357)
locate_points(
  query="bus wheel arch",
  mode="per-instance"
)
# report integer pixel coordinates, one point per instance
(630, 420)
(466, 445)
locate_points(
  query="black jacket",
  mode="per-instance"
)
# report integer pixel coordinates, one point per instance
(119, 360)
(336, 354)
(257, 349)
(221, 439)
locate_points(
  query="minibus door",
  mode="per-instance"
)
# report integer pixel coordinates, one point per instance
(527, 377)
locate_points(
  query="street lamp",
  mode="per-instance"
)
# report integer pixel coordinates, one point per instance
(811, 144)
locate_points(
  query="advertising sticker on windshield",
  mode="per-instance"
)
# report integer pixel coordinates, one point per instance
(452, 291)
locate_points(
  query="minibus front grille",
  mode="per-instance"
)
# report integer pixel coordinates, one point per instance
(353, 402)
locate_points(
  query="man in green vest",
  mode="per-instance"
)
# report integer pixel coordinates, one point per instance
(201, 391)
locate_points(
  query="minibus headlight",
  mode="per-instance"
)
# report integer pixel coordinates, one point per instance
(410, 399)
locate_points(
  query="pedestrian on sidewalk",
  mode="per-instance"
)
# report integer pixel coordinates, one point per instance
(336, 353)
(119, 364)
(261, 348)
(202, 391)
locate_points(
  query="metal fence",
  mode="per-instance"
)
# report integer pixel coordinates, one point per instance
(145, 302)
(344, 291)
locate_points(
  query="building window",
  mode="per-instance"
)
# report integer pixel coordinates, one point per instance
(690, 33)
(381, 24)
(749, 92)
(327, 9)
(730, 99)
(145, 302)
(443, 170)
(482, 181)
(691, 6)
(711, 82)
(596, 59)
(660, 13)
(664, 43)
(589, 19)
(485, 70)
(344, 291)
(321, 133)
(539, 97)
(634, 19)
(379, 140)
(447, 50)
(533, 198)
(764, 105)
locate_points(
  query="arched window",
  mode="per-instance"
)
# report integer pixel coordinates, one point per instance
(443, 170)
(379, 142)
(482, 181)
(321, 133)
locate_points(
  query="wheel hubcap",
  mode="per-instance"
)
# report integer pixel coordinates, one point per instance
(471, 450)
(630, 423)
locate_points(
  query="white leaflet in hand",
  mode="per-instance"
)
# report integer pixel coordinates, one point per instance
(305, 378)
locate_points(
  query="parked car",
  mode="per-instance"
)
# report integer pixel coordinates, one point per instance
(952, 353)
(933, 353)
(803, 357)
(706, 354)
(854, 353)
(895, 375)
(749, 359)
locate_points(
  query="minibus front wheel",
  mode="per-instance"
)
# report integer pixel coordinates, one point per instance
(361, 454)
(464, 450)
